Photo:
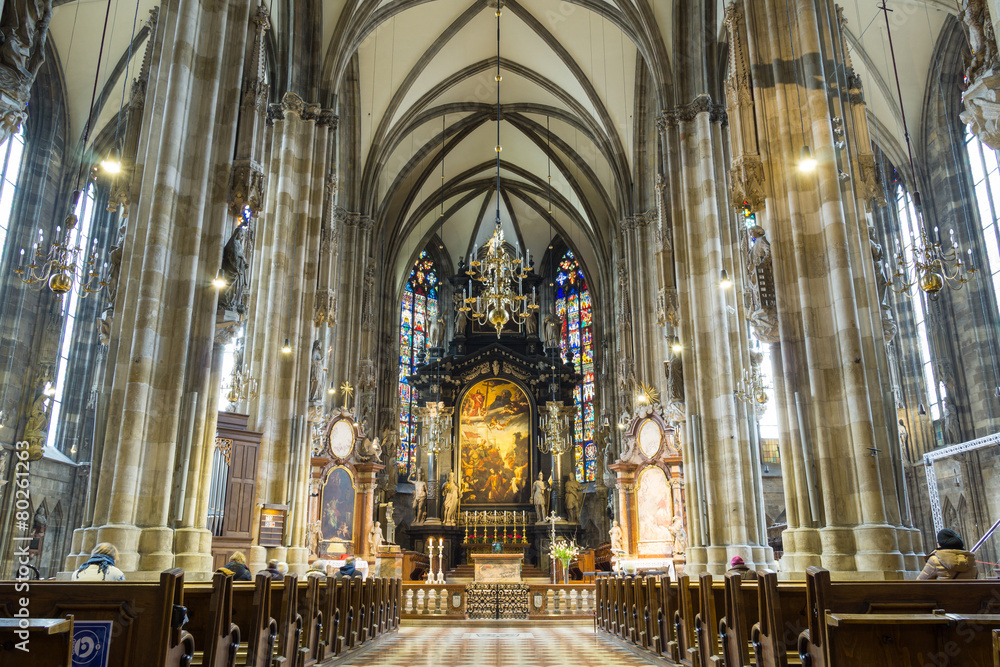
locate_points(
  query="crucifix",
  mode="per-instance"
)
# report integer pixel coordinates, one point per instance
(552, 518)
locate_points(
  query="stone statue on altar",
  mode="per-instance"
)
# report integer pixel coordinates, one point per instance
(434, 332)
(375, 538)
(680, 535)
(617, 545)
(419, 495)
(539, 497)
(551, 331)
(531, 323)
(573, 491)
(460, 316)
(450, 500)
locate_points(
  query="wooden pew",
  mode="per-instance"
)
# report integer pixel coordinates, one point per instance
(782, 616)
(49, 640)
(600, 602)
(354, 613)
(210, 621)
(329, 604)
(741, 613)
(312, 620)
(397, 602)
(146, 618)
(285, 606)
(258, 628)
(712, 598)
(901, 599)
(687, 608)
(653, 615)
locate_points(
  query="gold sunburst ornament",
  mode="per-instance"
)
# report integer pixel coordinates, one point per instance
(646, 395)
(347, 389)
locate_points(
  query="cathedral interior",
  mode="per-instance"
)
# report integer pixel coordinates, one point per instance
(694, 279)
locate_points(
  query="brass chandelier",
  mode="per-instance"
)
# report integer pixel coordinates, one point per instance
(436, 432)
(931, 266)
(497, 303)
(557, 428)
(64, 265)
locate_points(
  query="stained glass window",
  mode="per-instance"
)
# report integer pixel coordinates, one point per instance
(749, 217)
(576, 312)
(418, 310)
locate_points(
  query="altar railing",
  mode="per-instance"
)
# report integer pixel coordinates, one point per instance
(573, 600)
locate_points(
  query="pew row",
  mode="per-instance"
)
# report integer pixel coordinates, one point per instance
(221, 623)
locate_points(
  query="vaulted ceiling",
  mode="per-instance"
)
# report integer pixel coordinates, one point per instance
(424, 90)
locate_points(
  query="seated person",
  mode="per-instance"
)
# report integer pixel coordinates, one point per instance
(950, 560)
(272, 570)
(737, 564)
(348, 569)
(101, 565)
(238, 566)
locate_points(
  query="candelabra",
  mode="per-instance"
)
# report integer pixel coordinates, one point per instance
(751, 388)
(556, 426)
(242, 385)
(63, 266)
(436, 432)
(440, 577)
(496, 302)
(931, 265)
(430, 557)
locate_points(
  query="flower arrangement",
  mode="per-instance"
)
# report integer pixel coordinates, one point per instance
(564, 552)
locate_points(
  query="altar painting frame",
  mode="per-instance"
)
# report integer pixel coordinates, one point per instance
(338, 530)
(474, 499)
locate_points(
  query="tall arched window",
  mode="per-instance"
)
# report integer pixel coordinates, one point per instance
(11, 151)
(909, 232)
(986, 185)
(78, 238)
(576, 312)
(419, 309)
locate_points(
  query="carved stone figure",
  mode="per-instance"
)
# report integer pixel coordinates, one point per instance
(882, 285)
(904, 439)
(763, 304)
(573, 491)
(4, 459)
(531, 323)
(450, 500)
(37, 427)
(952, 429)
(368, 314)
(315, 537)
(375, 538)
(680, 535)
(460, 315)
(977, 21)
(236, 270)
(316, 373)
(675, 379)
(24, 27)
(617, 545)
(390, 524)
(539, 497)
(434, 332)
(551, 330)
(610, 478)
(419, 496)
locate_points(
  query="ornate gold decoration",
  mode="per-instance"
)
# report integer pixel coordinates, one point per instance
(931, 265)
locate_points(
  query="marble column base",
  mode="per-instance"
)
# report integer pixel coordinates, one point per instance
(193, 553)
(298, 560)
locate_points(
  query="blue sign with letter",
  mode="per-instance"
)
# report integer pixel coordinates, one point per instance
(91, 643)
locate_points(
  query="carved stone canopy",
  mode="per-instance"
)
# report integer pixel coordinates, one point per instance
(536, 372)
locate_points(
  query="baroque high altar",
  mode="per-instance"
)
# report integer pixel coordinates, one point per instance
(495, 471)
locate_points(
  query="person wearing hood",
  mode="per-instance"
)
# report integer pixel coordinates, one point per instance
(348, 570)
(737, 564)
(272, 570)
(238, 566)
(950, 560)
(317, 569)
(101, 565)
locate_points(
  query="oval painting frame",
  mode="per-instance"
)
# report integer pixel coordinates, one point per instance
(650, 438)
(342, 439)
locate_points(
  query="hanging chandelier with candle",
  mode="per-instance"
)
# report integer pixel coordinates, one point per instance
(436, 418)
(497, 302)
(557, 428)
(931, 266)
(64, 265)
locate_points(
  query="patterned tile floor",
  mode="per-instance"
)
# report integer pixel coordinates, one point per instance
(483, 645)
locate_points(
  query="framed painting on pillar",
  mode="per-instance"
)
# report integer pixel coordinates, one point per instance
(337, 506)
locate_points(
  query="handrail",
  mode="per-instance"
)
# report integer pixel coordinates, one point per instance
(987, 536)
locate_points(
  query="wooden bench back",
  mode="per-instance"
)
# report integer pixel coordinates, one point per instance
(782, 616)
(210, 620)
(688, 606)
(285, 606)
(741, 613)
(252, 614)
(145, 630)
(712, 602)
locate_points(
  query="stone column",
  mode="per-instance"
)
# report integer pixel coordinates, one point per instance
(166, 306)
(629, 520)
(364, 507)
(281, 309)
(840, 484)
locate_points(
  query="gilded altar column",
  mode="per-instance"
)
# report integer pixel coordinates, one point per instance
(629, 520)
(364, 508)
(165, 304)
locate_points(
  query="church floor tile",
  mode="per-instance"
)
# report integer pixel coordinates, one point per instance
(504, 645)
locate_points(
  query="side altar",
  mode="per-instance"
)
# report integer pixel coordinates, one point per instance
(495, 568)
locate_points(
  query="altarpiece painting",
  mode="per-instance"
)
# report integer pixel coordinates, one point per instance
(337, 521)
(495, 431)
